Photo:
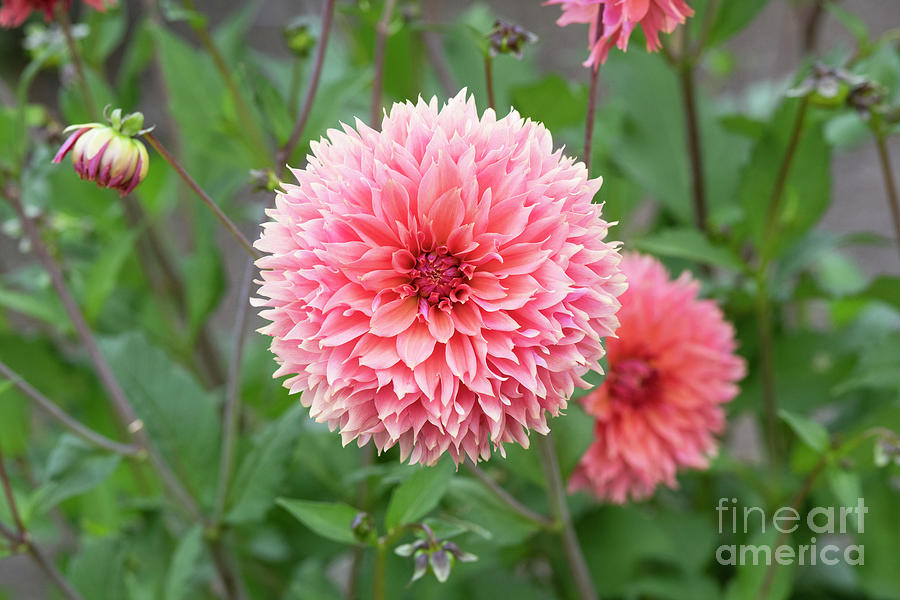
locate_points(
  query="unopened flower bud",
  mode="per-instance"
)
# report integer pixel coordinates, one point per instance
(299, 37)
(109, 155)
(363, 527)
(506, 38)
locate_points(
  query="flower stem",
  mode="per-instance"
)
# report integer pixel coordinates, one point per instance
(489, 80)
(245, 113)
(62, 13)
(285, 152)
(767, 366)
(195, 187)
(508, 499)
(232, 394)
(890, 184)
(695, 147)
(382, 29)
(378, 583)
(104, 372)
(82, 431)
(21, 538)
(774, 208)
(592, 97)
(556, 494)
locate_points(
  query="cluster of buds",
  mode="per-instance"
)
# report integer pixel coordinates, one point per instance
(887, 450)
(833, 87)
(506, 38)
(431, 552)
(110, 155)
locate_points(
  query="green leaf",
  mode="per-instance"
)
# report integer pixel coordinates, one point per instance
(73, 468)
(100, 279)
(732, 17)
(184, 565)
(331, 520)
(98, 570)
(812, 433)
(258, 480)
(878, 367)
(418, 495)
(692, 245)
(48, 310)
(553, 101)
(851, 21)
(179, 416)
(884, 289)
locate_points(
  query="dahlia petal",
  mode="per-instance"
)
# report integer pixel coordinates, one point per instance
(394, 317)
(415, 345)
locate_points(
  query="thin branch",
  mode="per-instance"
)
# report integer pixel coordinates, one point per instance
(556, 494)
(890, 185)
(52, 572)
(796, 504)
(508, 499)
(286, 151)
(62, 13)
(210, 203)
(435, 51)
(21, 538)
(82, 431)
(592, 96)
(10, 498)
(104, 372)
(382, 29)
(781, 180)
(695, 147)
(232, 394)
(489, 81)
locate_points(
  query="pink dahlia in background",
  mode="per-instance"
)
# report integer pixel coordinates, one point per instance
(619, 18)
(14, 12)
(671, 367)
(441, 284)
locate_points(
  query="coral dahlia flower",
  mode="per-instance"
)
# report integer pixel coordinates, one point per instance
(619, 18)
(14, 12)
(671, 367)
(441, 284)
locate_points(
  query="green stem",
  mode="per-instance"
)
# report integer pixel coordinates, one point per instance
(556, 494)
(62, 14)
(232, 395)
(489, 80)
(592, 98)
(695, 146)
(765, 327)
(285, 152)
(890, 185)
(210, 203)
(774, 208)
(380, 561)
(507, 498)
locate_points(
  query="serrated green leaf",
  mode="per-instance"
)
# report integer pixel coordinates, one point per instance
(258, 480)
(73, 468)
(331, 520)
(180, 416)
(418, 495)
(184, 565)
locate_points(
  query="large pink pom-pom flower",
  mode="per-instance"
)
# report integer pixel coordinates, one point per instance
(14, 12)
(619, 18)
(440, 285)
(671, 367)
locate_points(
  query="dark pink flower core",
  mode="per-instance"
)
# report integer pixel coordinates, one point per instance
(632, 381)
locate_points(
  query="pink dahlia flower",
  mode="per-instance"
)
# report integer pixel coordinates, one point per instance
(671, 368)
(619, 18)
(14, 12)
(440, 285)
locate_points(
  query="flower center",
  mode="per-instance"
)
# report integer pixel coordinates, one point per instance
(633, 381)
(436, 276)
